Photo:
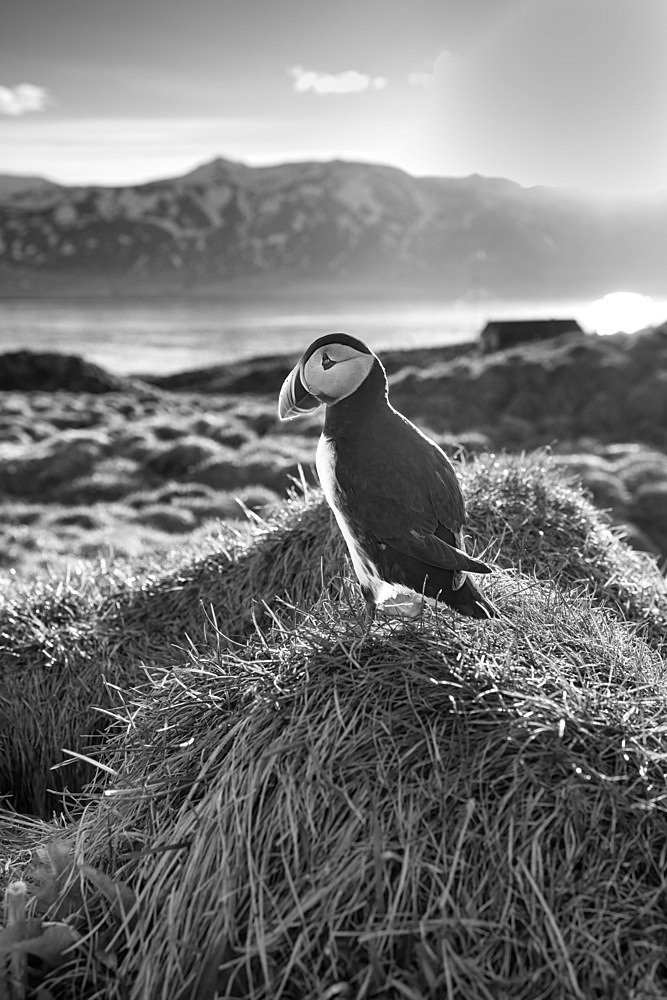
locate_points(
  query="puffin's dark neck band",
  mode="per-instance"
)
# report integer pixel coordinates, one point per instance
(355, 408)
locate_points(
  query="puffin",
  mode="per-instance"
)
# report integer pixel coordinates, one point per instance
(393, 491)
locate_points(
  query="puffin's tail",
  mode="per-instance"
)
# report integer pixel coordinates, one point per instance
(467, 600)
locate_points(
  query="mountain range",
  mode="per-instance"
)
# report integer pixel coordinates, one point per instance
(226, 225)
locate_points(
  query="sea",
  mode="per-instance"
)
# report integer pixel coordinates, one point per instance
(129, 336)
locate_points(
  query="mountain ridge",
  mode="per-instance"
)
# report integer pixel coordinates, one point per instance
(343, 222)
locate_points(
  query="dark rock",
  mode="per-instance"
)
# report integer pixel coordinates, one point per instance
(30, 371)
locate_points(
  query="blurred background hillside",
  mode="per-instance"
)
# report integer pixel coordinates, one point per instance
(95, 464)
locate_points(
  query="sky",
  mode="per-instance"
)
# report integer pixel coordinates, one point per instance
(559, 92)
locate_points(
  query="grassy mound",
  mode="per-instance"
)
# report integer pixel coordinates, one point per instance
(52, 371)
(538, 520)
(282, 808)
(610, 388)
(65, 645)
(446, 809)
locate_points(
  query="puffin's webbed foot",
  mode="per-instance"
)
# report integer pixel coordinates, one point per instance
(403, 605)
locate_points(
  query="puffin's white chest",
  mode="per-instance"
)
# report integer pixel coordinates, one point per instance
(325, 462)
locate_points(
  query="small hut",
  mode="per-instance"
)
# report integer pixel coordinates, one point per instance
(498, 335)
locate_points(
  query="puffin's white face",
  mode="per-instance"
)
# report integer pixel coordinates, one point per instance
(335, 371)
(327, 375)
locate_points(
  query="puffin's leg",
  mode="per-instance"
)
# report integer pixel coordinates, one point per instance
(371, 606)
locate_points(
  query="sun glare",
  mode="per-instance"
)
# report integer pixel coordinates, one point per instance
(624, 312)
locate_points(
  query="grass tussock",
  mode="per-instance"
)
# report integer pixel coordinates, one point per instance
(64, 641)
(281, 808)
(446, 809)
(66, 645)
(537, 519)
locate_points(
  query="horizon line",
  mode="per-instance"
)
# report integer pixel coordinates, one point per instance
(332, 159)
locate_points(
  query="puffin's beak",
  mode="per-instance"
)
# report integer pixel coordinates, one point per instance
(295, 398)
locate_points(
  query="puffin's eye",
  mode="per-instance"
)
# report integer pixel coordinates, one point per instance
(327, 362)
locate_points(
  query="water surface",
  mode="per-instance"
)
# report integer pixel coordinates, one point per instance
(130, 336)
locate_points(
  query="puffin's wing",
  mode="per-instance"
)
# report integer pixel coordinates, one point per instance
(433, 550)
(415, 506)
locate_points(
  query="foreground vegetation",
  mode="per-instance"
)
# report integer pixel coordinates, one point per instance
(282, 807)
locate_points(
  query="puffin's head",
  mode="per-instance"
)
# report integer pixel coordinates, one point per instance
(332, 368)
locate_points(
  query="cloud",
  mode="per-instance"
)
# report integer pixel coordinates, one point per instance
(348, 82)
(23, 99)
(428, 79)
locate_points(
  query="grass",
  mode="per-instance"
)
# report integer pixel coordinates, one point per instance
(538, 520)
(446, 809)
(283, 809)
(64, 641)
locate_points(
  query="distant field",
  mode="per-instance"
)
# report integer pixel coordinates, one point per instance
(143, 468)
(121, 476)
